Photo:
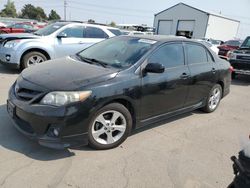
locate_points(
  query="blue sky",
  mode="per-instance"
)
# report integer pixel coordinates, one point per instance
(139, 11)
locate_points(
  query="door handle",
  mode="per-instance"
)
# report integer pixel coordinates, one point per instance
(213, 70)
(184, 76)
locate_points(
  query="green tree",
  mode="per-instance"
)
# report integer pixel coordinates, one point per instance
(53, 15)
(9, 10)
(112, 24)
(31, 12)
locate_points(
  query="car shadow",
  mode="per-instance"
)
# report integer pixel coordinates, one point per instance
(6, 70)
(241, 80)
(11, 139)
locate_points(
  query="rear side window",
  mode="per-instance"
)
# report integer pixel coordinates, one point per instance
(116, 32)
(170, 55)
(73, 32)
(196, 54)
(93, 32)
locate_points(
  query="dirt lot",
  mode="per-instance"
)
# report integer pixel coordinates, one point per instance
(190, 151)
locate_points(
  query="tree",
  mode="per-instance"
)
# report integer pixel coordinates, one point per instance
(91, 21)
(53, 15)
(31, 12)
(112, 24)
(9, 10)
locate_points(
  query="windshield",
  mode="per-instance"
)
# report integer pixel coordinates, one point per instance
(50, 29)
(232, 43)
(246, 43)
(118, 52)
(215, 42)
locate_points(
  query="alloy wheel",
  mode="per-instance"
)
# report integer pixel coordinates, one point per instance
(109, 127)
(214, 98)
(35, 59)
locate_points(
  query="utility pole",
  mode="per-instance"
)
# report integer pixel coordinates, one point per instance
(65, 8)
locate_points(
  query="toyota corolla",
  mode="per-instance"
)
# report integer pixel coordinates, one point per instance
(101, 94)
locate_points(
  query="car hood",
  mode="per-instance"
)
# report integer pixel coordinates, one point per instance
(242, 50)
(14, 36)
(67, 74)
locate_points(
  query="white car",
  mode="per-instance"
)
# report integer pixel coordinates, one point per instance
(210, 45)
(53, 41)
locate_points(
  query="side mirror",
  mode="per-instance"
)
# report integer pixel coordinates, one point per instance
(61, 35)
(154, 68)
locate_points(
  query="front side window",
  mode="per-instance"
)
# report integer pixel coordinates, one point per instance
(170, 55)
(93, 32)
(73, 32)
(196, 54)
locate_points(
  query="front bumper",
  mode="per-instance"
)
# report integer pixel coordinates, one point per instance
(8, 57)
(38, 122)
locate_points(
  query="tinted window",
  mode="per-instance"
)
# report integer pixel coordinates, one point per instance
(170, 55)
(196, 54)
(233, 43)
(75, 32)
(93, 32)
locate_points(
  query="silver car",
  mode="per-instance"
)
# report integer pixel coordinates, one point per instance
(56, 40)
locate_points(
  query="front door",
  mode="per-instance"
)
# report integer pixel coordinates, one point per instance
(165, 92)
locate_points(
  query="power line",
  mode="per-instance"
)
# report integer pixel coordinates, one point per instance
(112, 13)
(109, 7)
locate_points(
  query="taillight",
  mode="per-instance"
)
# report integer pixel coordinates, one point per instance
(231, 69)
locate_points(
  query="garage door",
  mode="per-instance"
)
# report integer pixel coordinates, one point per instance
(184, 25)
(165, 27)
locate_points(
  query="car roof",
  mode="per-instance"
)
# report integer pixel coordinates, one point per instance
(161, 38)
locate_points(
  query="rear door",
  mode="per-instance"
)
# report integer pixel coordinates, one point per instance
(165, 92)
(203, 71)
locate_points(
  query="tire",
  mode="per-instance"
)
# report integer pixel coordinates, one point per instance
(115, 131)
(213, 100)
(32, 58)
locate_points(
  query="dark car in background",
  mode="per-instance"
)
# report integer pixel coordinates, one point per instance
(240, 59)
(19, 28)
(227, 47)
(101, 94)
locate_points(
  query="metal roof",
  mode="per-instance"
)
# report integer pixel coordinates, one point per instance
(206, 12)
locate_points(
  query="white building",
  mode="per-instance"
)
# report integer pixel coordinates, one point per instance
(184, 20)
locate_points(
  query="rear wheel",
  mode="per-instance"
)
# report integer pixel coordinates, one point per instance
(110, 126)
(213, 99)
(33, 58)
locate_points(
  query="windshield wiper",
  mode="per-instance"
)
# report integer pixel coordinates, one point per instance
(92, 60)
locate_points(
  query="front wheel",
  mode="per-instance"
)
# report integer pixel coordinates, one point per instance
(33, 58)
(213, 99)
(110, 126)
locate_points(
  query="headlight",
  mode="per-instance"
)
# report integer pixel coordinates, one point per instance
(11, 44)
(231, 55)
(63, 98)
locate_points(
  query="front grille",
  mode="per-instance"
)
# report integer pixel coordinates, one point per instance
(241, 57)
(26, 94)
(244, 65)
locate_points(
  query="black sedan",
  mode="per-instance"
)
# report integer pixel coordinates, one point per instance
(101, 94)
